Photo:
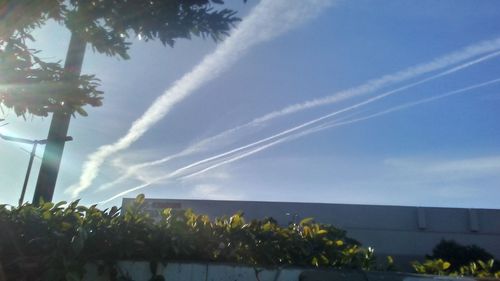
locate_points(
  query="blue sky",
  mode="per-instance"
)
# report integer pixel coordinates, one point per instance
(444, 151)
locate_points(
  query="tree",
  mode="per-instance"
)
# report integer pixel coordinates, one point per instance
(459, 255)
(33, 86)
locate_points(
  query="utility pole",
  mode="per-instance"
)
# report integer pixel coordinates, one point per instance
(35, 143)
(28, 172)
(59, 125)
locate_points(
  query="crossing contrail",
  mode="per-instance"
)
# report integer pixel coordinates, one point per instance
(199, 146)
(376, 84)
(294, 136)
(267, 20)
(335, 124)
(401, 107)
(133, 170)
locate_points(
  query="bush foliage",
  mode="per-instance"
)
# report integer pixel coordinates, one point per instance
(451, 258)
(460, 255)
(55, 241)
(477, 268)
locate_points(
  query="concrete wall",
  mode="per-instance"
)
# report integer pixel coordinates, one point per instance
(140, 271)
(407, 233)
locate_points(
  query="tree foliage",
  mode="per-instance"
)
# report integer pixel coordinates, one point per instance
(451, 258)
(459, 255)
(32, 85)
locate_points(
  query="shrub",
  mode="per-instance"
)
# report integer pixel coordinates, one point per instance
(450, 258)
(459, 255)
(478, 268)
(55, 241)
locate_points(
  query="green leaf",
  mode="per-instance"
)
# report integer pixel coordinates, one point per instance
(446, 265)
(390, 260)
(81, 111)
(46, 215)
(140, 199)
(47, 206)
(167, 212)
(236, 221)
(60, 204)
(74, 204)
(306, 221)
(267, 226)
(314, 262)
(65, 226)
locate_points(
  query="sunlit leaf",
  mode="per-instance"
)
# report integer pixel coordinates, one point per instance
(446, 265)
(306, 221)
(140, 199)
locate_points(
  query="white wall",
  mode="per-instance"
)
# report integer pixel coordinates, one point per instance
(140, 271)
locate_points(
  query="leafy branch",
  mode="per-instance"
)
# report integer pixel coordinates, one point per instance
(28, 84)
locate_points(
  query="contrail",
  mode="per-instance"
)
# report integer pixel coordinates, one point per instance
(267, 20)
(403, 106)
(368, 87)
(197, 147)
(336, 123)
(300, 134)
(373, 85)
(132, 170)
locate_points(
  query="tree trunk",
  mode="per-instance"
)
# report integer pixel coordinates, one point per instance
(58, 131)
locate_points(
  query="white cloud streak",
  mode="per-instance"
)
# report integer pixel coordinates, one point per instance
(267, 20)
(134, 170)
(376, 84)
(448, 169)
(318, 128)
(199, 146)
(366, 88)
(475, 165)
(337, 123)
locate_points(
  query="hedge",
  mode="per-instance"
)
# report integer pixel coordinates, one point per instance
(56, 241)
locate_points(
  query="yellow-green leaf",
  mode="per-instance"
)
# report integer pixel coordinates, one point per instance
(314, 262)
(266, 226)
(236, 220)
(140, 199)
(65, 226)
(446, 265)
(81, 111)
(46, 215)
(167, 212)
(307, 231)
(306, 220)
(390, 260)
